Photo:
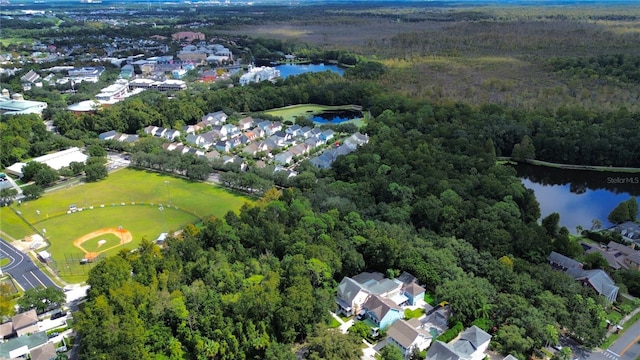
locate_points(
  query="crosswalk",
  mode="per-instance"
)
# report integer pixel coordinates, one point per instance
(611, 355)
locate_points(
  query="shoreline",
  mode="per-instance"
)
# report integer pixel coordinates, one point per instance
(626, 170)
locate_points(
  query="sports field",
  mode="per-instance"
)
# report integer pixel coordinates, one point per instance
(129, 203)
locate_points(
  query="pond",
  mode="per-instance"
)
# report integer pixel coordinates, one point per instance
(335, 116)
(287, 70)
(579, 196)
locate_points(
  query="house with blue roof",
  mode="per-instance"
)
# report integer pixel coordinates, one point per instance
(597, 279)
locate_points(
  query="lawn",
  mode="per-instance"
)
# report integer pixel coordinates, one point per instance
(411, 314)
(141, 202)
(136, 186)
(13, 225)
(289, 113)
(334, 323)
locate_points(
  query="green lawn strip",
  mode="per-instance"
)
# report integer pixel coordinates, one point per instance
(611, 339)
(13, 225)
(4, 261)
(411, 314)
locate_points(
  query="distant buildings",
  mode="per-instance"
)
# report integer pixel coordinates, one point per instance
(259, 74)
(56, 160)
(16, 105)
(188, 36)
(88, 73)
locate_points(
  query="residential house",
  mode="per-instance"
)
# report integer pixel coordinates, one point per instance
(283, 158)
(30, 77)
(618, 256)
(170, 146)
(211, 155)
(223, 146)
(294, 130)
(251, 149)
(197, 140)
(281, 137)
(159, 132)
(273, 128)
(150, 129)
(6, 330)
(408, 336)
(327, 135)
(19, 347)
(215, 118)
(414, 293)
(109, 135)
(382, 311)
(629, 230)
(321, 162)
(270, 144)
(209, 138)
(128, 138)
(597, 279)
(470, 345)
(245, 123)
(227, 129)
(190, 129)
(171, 134)
(351, 297)
(251, 135)
(356, 140)
(313, 142)
(25, 323)
(45, 352)
(264, 124)
(305, 131)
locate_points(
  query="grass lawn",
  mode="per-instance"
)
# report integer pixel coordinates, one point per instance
(345, 318)
(13, 225)
(614, 317)
(9, 41)
(289, 113)
(4, 261)
(411, 314)
(128, 198)
(334, 323)
(428, 298)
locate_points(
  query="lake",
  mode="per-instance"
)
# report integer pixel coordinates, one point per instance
(287, 70)
(335, 116)
(578, 196)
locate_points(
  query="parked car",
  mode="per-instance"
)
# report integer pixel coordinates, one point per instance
(58, 315)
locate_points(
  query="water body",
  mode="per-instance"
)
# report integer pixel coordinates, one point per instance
(578, 196)
(287, 70)
(336, 116)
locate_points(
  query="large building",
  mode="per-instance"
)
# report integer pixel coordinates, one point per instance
(56, 160)
(114, 93)
(258, 74)
(16, 105)
(88, 73)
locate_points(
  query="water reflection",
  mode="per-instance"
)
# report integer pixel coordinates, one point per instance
(578, 196)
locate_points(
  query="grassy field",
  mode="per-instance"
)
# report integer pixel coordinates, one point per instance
(289, 113)
(141, 202)
(13, 225)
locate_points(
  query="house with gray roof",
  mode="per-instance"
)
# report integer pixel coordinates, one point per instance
(470, 345)
(351, 296)
(382, 311)
(596, 279)
(562, 262)
(629, 230)
(108, 135)
(408, 336)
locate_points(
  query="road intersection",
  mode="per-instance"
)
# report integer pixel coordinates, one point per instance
(23, 270)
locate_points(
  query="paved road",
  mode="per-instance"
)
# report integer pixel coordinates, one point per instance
(22, 269)
(625, 348)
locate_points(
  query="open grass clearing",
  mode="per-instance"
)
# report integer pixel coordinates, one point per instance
(289, 113)
(136, 186)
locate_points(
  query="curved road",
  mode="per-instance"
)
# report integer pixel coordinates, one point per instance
(22, 269)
